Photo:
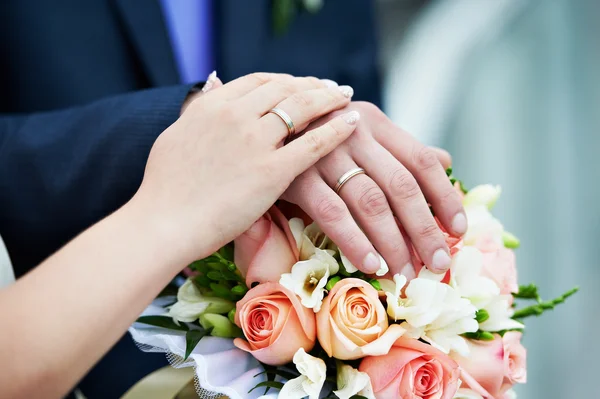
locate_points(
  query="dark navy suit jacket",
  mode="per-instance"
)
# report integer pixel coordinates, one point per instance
(87, 85)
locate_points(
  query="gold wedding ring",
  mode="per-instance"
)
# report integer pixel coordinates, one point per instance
(346, 177)
(286, 119)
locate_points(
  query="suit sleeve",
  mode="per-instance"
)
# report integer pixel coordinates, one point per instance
(62, 171)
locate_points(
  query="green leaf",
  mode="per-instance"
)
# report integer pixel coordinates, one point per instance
(162, 321)
(239, 290)
(375, 283)
(222, 291)
(192, 337)
(227, 252)
(480, 335)
(268, 384)
(449, 171)
(215, 275)
(220, 325)
(528, 292)
(482, 315)
(231, 315)
(202, 281)
(510, 240)
(541, 307)
(332, 281)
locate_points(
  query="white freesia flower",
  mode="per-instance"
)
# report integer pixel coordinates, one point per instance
(485, 194)
(191, 304)
(309, 277)
(510, 394)
(500, 313)
(352, 382)
(350, 268)
(482, 224)
(467, 279)
(309, 238)
(433, 311)
(465, 393)
(313, 373)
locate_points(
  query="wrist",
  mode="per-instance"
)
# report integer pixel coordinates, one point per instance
(165, 233)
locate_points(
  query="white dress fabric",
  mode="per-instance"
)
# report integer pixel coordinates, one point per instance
(7, 275)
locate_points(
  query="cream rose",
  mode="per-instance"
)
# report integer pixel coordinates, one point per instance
(275, 324)
(353, 323)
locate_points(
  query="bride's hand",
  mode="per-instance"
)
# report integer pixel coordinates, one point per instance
(219, 167)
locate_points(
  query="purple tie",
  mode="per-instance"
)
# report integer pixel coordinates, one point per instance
(189, 23)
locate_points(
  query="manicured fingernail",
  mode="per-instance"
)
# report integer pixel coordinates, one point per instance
(409, 271)
(329, 83)
(351, 117)
(371, 263)
(210, 81)
(440, 262)
(347, 91)
(459, 223)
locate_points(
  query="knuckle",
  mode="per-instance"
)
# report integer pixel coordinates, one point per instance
(349, 238)
(261, 78)
(449, 197)
(302, 100)
(428, 230)
(286, 88)
(425, 158)
(330, 211)
(372, 202)
(314, 82)
(403, 185)
(314, 142)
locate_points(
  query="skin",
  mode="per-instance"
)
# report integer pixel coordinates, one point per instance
(194, 198)
(386, 210)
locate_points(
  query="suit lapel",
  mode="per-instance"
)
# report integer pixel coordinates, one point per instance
(145, 24)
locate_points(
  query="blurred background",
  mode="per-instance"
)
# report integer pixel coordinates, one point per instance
(510, 88)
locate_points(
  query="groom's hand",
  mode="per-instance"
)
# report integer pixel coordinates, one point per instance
(389, 202)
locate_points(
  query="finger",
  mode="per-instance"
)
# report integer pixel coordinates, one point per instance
(333, 217)
(267, 96)
(409, 205)
(370, 208)
(245, 84)
(306, 150)
(424, 165)
(443, 156)
(304, 107)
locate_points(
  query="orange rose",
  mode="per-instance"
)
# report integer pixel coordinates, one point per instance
(267, 249)
(353, 323)
(274, 323)
(411, 370)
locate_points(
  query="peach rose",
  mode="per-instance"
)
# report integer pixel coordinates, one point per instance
(267, 249)
(274, 323)
(353, 323)
(493, 367)
(412, 370)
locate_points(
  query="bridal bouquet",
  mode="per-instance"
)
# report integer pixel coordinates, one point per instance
(285, 314)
